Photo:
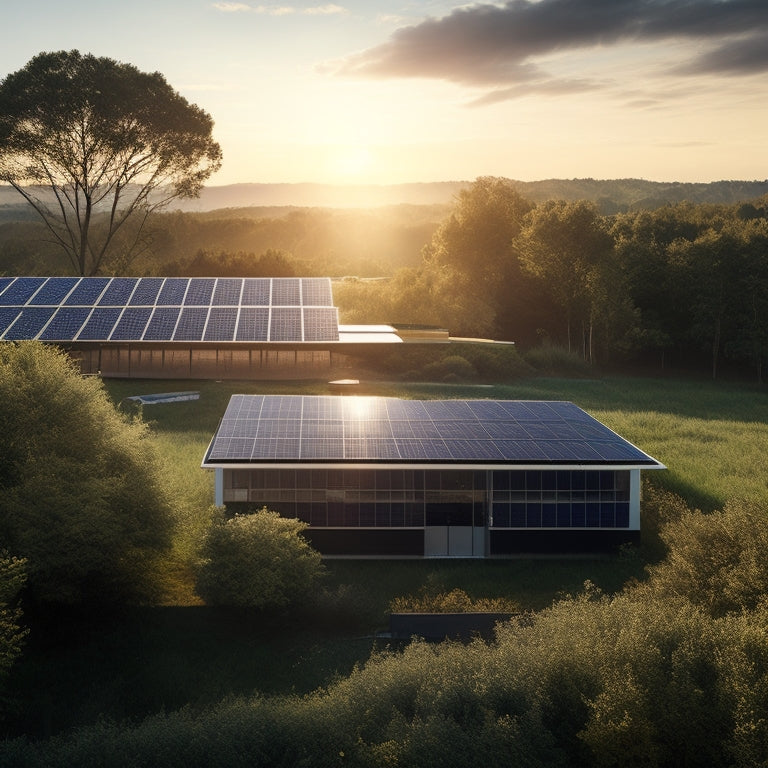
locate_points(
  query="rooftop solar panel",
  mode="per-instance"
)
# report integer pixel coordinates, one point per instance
(87, 291)
(54, 290)
(21, 290)
(29, 322)
(7, 316)
(191, 325)
(285, 324)
(100, 324)
(256, 291)
(146, 291)
(371, 429)
(118, 292)
(286, 292)
(162, 324)
(221, 324)
(173, 291)
(199, 291)
(210, 310)
(227, 291)
(65, 324)
(131, 324)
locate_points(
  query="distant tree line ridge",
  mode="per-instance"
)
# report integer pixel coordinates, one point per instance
(611, 195)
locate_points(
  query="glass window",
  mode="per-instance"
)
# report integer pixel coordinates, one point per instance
(382, 515)
(517, 515)
(563, 515)
(548, 515)
(533, 515)
(397, 514)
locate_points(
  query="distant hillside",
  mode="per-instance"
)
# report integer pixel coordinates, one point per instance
(612, 195)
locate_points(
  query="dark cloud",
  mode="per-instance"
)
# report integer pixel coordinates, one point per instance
(492, 45)
(743, 56)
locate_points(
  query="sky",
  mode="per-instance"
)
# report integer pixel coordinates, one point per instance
(375, 92)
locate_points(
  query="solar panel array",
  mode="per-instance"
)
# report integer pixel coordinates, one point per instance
(157, 309)
(293, 428)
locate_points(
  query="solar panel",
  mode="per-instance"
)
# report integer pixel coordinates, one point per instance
(191, 324)
(162, 324)
(286, 292)
(363, 429)
(65, 324)
(321, 324)
(21, 290)
(256, 292)
(253, 324)
(131, 324)
(7, 316)
(211, 310)
(146, 291)
(100, 324)
(285, 324)
(221, 324)
(199, 291)
(29, 322)
(118, 292)
(227, 291)
(54, 291)
(173, 291)
(87, 291)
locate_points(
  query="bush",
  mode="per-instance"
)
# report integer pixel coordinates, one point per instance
(450, 368)
(716, 561)
(257, 560)
(554, 360)
(80, 486)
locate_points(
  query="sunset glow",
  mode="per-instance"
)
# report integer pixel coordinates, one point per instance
(370, 92)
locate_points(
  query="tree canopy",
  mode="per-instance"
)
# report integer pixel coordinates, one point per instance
(81, 493)
(95, 146)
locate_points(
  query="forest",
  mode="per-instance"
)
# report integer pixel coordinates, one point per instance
(683, 286)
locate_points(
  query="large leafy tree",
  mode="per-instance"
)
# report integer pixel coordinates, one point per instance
(95, 146)
(475, 249)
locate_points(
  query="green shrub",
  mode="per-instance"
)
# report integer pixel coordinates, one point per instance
(716, 560)
(80, 484)
(455, 601)
(450, 368)
(554, 360)
(257, 560)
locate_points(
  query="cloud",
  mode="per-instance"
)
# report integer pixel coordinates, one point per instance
(324, 10)
(231, 7)
(497, 45)
(280, 10)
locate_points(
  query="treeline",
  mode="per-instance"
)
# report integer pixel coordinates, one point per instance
(245, 241)
(684, 284)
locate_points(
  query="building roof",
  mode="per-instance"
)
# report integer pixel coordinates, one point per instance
(264, 430)
(224, 310)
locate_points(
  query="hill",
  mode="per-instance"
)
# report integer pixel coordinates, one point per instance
(612, 195)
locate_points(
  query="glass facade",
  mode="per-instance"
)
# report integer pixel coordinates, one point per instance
(406, 498)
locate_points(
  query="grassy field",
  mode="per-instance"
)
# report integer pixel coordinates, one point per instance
(713, 437)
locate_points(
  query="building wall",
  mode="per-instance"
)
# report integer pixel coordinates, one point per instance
(359, 511)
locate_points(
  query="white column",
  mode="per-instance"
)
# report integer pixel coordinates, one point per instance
(634, 500)
(218, 475)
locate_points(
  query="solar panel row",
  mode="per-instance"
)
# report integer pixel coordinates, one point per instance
(296, 428)
(167, 291)
(207, 324)
(167, 309)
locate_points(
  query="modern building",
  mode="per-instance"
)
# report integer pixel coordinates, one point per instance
(376, 476)
(173, 327)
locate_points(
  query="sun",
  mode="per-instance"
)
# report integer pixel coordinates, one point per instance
(351, 162)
